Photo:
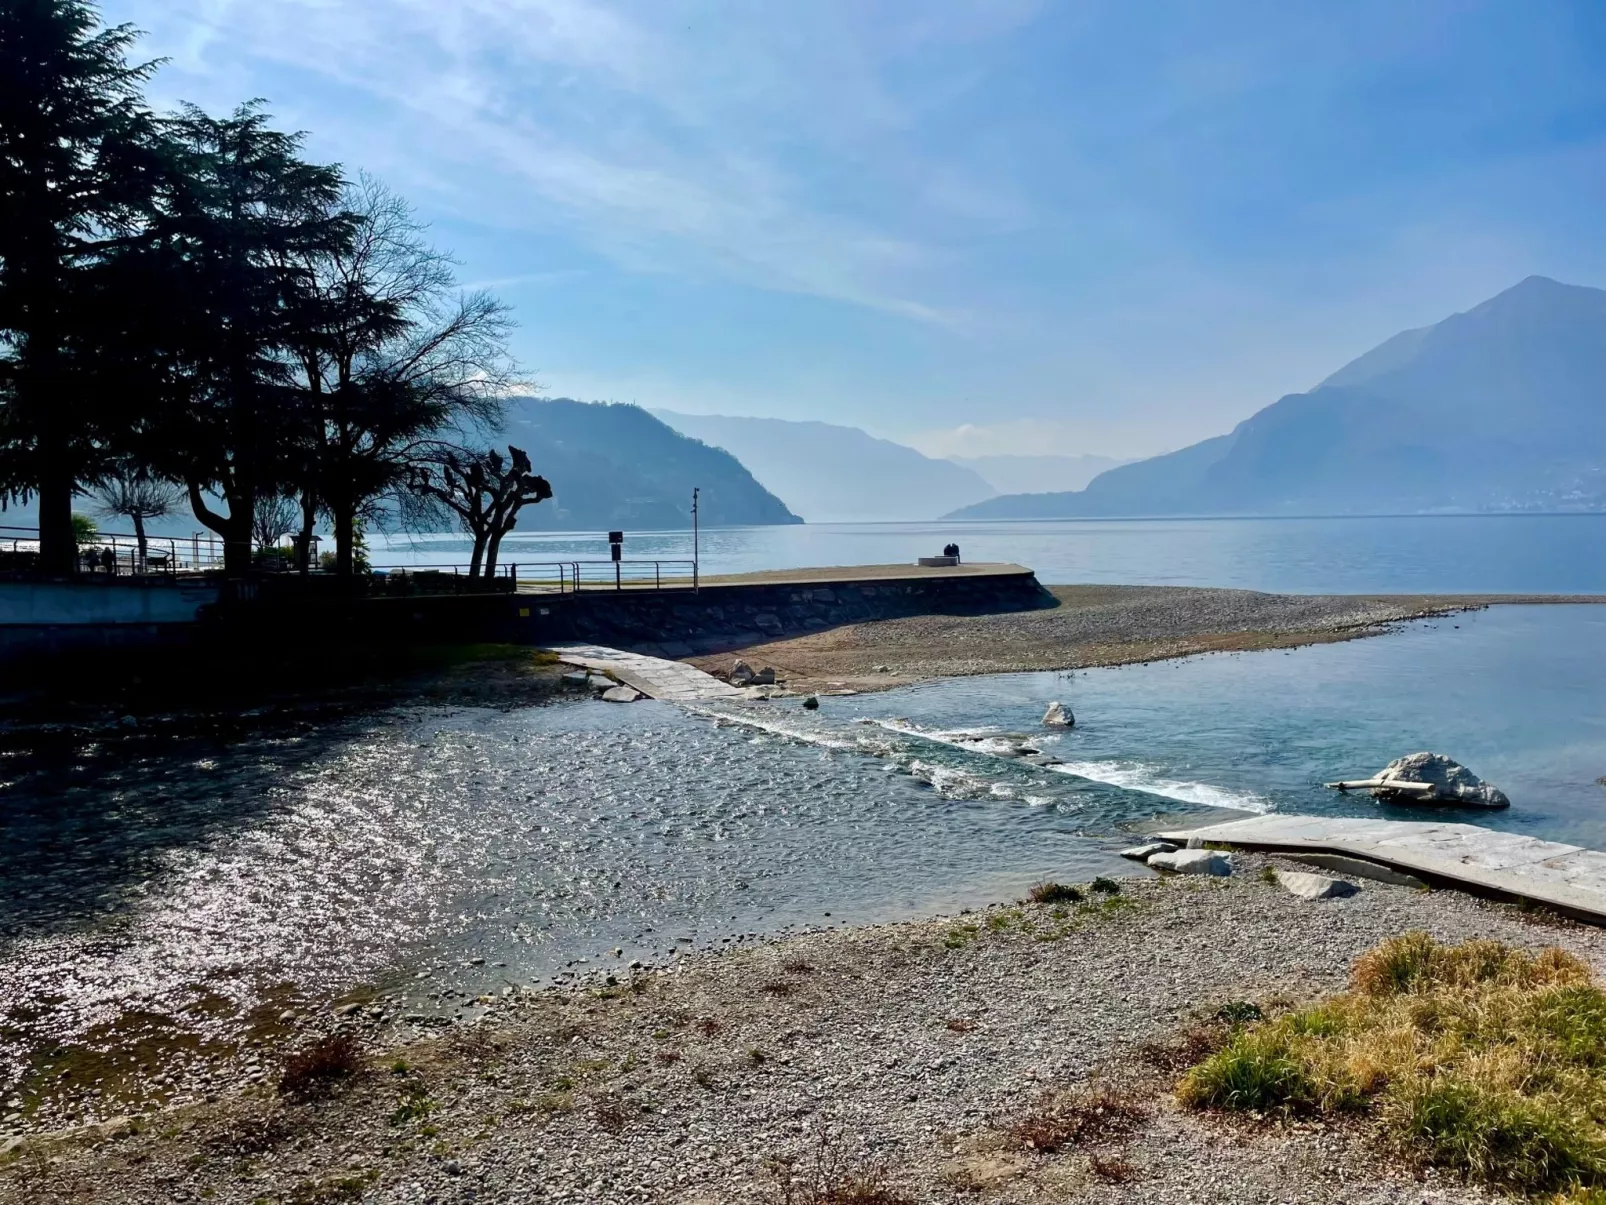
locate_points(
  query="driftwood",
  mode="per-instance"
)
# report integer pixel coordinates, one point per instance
(1384, 784)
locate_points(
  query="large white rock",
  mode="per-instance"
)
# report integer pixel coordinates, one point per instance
(1314, 886)
(1452, 782)
(1192, 861)
(1142, 853)
(741, 673)
(1058, 716)
(621, 694)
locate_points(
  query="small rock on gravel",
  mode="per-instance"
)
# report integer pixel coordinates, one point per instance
(1314, 886)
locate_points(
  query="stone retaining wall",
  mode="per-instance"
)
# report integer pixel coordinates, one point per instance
(679, 623)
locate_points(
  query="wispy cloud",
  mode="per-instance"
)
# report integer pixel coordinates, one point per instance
(664, 136)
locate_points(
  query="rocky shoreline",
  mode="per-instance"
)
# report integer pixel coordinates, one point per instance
(915, 1055)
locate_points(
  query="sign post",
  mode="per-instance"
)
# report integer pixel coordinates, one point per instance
(695, 588)
(616, 542)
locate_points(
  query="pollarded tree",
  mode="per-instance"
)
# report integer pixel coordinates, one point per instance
(241, 216)
(389, 352)
(482, 489)
(129, 491)
(76, 167)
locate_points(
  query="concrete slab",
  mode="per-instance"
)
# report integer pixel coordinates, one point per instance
(655, 677)
(1566, 877)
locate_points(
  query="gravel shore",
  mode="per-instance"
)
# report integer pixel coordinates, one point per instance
(1092, 625)
(914, 1047)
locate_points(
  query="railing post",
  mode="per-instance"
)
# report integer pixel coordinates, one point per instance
(657, 575)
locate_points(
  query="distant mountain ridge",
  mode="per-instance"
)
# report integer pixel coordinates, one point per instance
(828, 473)
(614, 466)
(1502, 407)
(1038, 474)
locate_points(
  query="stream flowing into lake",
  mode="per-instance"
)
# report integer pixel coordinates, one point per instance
(198, 871)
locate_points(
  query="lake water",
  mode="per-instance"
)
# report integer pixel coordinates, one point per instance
(196, 870)
(1436, 553)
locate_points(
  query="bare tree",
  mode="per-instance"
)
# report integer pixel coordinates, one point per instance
(483, 489)
(275, 514)
(130, 491)
(394, 354)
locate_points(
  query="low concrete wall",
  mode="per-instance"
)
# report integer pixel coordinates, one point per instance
(728, 615)
(42, 619)
(105, 601)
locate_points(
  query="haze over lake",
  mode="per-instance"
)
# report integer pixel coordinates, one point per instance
(1549, 554)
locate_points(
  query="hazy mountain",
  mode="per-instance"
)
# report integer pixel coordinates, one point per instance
(837, 474)
(1500, 408)
(616, 466)
(1037, 474)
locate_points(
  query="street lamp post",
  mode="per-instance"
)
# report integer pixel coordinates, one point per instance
(695, 585)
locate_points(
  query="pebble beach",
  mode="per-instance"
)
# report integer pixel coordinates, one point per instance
(904, 1054)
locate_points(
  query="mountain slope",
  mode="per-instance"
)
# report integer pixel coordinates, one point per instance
(828, 473)
(1037, 474)
(616, 466)
(1500, 408)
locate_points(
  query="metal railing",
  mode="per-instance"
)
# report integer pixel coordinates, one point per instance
(574, 577)
(116, 553)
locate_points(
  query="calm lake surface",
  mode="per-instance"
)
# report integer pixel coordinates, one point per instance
(1551, 554)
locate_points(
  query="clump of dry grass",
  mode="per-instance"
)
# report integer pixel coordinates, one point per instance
(1054, 893)
(1112, 1169)
(1062, 1119)
(314, 1069)
(1478, 1057)
(831, 1175)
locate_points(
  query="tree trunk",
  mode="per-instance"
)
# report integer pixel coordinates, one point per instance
(309, 512)
(139, 540)
(480, 539)
(58, 545)
(235, 528)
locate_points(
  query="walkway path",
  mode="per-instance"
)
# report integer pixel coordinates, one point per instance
(653, 676)
(1566, 876)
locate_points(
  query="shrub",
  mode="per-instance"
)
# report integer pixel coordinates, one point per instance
(314, 1069)
(1479, 1058)
(1105, 885)
(1054, 893)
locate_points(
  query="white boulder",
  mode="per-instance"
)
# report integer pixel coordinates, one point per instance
(1314, 886)
(1451, 783)
(741, 673)
(1192, 861)
(1058, 716)
(621, 694)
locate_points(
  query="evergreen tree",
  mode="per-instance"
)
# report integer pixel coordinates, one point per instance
(241, 219)
(76, 166)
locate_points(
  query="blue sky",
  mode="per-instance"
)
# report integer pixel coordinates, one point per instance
(981, 226)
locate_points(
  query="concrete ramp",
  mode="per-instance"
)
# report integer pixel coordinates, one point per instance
(1566, 877)
(656, 677)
